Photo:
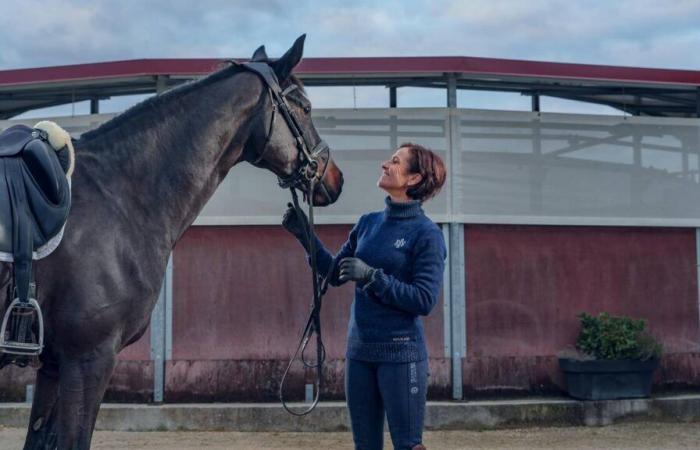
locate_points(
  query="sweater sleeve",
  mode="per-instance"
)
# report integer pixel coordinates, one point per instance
(327, 263)
(420, 295)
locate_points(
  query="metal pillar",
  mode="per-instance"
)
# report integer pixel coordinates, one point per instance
(447, 296)
(537, 171)
(697, 263)
(161, 334)
(168, 287)
(458, 306)
(454, 279)
(451, 90)
(392, 97)
(158, 346)
(636, 185)
(688, 144)
(535, 102)
(393, 120)
(161, 83)
(94, 106)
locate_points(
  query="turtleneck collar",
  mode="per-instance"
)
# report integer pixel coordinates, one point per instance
(402, 210)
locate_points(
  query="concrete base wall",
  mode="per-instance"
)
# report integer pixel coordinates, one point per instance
(332, 416)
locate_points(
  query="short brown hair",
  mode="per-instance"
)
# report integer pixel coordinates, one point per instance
(432, 170)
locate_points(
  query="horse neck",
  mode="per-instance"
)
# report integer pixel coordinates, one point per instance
(158, 171)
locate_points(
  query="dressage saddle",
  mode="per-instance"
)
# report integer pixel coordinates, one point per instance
(34, 204)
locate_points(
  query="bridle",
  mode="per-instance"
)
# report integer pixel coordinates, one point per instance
(309, 154)
(308, 175)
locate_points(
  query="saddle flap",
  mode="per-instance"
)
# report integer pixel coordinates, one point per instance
(13, 140)
(35, 173)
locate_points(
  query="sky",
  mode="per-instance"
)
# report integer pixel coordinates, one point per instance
(641, 33)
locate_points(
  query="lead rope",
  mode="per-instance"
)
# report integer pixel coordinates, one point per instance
(313, 324)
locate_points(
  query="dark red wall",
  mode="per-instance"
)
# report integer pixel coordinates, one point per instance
(242, 295)
(241, 298)
(526, 285)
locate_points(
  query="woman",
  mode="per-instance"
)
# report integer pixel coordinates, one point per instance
(396, 258)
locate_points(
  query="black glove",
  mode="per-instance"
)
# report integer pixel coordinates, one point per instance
(356, 270)
(297, 224)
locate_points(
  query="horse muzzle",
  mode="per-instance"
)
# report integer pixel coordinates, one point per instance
(328, 189)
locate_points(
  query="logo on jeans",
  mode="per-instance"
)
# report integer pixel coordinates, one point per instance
(400, 243)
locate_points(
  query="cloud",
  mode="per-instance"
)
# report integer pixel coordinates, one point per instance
(634, 32)
(643, 33)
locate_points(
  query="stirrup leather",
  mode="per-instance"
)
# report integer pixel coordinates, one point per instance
(19, 338)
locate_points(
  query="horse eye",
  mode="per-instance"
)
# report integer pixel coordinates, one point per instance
(307, 109)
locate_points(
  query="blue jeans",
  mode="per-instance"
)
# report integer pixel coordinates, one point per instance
(397, 389)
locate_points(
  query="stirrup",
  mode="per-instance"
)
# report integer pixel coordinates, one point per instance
(21, 338)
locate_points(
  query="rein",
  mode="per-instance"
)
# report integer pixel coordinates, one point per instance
(313, 324)
(307, 176)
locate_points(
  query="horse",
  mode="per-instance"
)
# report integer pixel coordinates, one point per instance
(140, 181)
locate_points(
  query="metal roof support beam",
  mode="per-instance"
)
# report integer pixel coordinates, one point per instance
(94, 105)
(621, 106)
(392, 97)
(535, 102)
(669, 98)
(451, 90)
(161, 83)
(697, 102)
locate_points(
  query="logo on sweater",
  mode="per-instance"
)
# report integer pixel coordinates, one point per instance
(400, 243)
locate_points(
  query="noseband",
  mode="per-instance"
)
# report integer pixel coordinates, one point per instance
(308, 175)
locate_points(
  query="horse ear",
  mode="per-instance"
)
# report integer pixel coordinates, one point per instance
(259, 54)
(283, 67)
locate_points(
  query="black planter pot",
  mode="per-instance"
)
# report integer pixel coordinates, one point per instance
(608, 379)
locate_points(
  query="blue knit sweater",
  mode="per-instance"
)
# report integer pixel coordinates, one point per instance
(408, 250)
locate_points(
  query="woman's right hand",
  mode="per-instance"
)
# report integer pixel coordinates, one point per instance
(297, 224)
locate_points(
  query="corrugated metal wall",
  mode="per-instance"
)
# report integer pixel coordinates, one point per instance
(242, 295)
(526, 285)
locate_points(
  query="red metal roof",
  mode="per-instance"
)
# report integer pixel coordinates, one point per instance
(362, 66)
(648, 91)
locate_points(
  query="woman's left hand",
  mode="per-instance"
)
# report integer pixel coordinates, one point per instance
(356, 270)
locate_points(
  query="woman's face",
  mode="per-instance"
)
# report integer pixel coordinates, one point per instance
(395, 178)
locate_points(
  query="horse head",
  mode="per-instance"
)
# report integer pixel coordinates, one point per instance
(284, 139)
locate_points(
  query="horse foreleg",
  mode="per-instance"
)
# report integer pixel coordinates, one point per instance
(42, 432)
(82, 383)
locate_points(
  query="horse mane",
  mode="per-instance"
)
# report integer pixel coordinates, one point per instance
(156, 102)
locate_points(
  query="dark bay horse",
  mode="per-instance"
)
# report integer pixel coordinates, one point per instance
(140, 181)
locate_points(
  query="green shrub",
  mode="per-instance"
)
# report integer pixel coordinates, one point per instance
(610, 337)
